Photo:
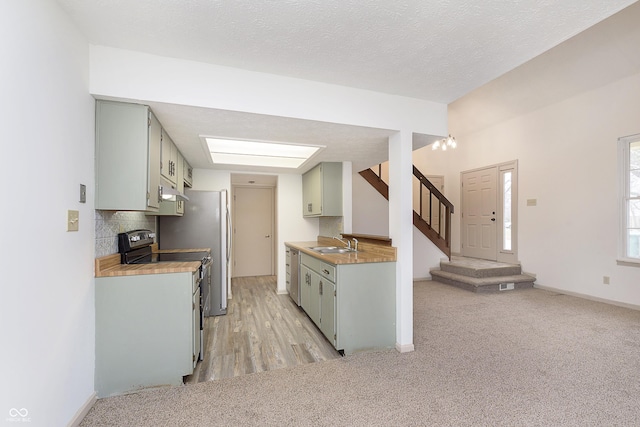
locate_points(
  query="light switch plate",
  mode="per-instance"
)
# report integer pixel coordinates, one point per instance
(83, 193)
(73, 218)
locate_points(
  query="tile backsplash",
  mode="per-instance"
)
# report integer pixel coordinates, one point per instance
(110, 223)
(330, 226)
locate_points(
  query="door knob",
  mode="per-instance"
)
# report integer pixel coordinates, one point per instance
(267, 236)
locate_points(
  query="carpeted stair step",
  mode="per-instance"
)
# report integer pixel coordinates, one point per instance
(484, 284)
(479, 268)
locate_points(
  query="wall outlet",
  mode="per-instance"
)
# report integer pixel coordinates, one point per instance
(73, 218)
(605, 280)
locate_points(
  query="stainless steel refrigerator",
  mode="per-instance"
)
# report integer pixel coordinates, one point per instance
(205, 224)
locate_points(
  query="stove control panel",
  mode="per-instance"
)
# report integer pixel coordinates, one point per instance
(134, 239)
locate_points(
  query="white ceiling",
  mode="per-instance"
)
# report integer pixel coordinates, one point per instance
(437, 50)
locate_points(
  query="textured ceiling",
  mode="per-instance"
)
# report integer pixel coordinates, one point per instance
(437, 50)
(363, 146)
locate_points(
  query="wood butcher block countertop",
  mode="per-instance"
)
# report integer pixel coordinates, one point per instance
(109, 266)
(367, 252)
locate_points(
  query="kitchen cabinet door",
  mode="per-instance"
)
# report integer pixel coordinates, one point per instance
(179, 172)
(328, 310)
(305, 287)
(175, 205)
(188, 173)
(169, 158)
(322, 190)
(127, 157)
(314, 299)
(311, 192)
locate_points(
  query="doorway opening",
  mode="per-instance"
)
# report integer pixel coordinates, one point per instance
(253, 202)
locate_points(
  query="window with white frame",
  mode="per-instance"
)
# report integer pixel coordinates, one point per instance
(629, 155)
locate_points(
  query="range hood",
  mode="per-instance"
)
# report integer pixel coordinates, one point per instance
(169, 192)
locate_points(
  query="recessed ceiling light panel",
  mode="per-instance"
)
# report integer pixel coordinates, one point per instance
(258, 153)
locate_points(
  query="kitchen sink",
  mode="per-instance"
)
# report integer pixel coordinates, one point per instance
(331, 250)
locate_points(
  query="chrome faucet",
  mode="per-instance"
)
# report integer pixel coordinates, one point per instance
(346, 242)
(355, 244)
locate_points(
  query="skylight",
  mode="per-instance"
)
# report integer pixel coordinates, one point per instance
(258, 153)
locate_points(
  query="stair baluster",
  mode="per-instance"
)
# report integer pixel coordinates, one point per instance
(441, 239)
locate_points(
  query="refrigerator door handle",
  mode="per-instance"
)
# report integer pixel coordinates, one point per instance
(228, 235)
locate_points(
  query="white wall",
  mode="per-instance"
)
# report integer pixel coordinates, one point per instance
(568, 162)
(371, 216)
(566, 149)
(137, 76)
(47, 294)
(370, 209)
(292, 226)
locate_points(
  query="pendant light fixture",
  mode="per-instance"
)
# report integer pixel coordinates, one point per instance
(445, 143)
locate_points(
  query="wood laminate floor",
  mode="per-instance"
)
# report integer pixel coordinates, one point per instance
(260, 332)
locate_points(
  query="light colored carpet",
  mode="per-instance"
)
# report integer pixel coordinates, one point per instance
(521, 358)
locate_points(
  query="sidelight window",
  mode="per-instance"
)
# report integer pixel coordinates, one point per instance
(506, 210)
(629, 154)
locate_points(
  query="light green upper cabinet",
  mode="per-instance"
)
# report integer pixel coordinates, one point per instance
(175, 205)
(169, 158)
(322, 190)
(188, 173)
(127, 157)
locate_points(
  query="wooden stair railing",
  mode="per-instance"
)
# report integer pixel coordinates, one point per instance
(430, 223)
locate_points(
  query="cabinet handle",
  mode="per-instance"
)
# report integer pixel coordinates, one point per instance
(321, 287)
(325, 271)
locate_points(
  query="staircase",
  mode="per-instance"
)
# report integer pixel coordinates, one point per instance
(433, 217)
(478, 275)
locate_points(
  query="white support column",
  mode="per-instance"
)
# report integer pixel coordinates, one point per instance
(401, 231)
(347, 197)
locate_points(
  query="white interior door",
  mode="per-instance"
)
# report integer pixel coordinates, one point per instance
(253, 226)
(479, 208)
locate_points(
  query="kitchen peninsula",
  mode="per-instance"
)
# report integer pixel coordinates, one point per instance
(350, 295)
(148, 322)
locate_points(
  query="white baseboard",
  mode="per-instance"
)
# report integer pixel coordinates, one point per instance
(589, 297)
(83, 411)
(404, 348)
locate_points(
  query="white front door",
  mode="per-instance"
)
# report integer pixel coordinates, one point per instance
(253, 226)
(479, 207)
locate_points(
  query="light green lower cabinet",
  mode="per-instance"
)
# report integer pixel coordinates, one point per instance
(145, 331)
(305, 287)
(354, 305)
(328, 310)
